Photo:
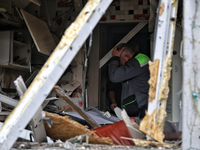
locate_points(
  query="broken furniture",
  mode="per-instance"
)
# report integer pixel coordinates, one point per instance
(16, 52)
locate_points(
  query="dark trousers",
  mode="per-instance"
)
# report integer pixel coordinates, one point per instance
(131, 107)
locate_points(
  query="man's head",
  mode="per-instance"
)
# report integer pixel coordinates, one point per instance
(127, 53)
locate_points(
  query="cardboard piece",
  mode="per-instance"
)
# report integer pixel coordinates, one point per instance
(135, 133)
(40, 33)
(118, 113)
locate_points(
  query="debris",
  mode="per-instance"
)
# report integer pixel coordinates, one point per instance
(132, 127)
(118, 113)
(64, 128)
(149, 126)
(115, 131)
(145, 143)
(79, 139)
(69, 88)
(78, 109)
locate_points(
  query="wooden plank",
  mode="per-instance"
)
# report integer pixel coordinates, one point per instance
(40, 33)
(78, 109)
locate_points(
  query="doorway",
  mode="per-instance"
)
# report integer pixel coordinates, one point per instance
(110, 35)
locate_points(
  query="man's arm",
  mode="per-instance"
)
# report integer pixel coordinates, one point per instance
(121, 73)
(112, 99)
(114, 89)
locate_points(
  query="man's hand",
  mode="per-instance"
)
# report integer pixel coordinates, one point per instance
(115, 52)
(113, 106)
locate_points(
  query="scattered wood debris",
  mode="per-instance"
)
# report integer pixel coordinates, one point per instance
(145, 143)
(64, 128)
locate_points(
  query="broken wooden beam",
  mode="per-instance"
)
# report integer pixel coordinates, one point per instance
(78, 109)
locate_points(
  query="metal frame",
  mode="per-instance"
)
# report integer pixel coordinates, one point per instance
(163, 46)
(8, 100)
(24, 134)
(52, 70)
(37, 126)
(36, 123)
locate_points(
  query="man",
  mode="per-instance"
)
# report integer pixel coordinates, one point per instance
(132, 69)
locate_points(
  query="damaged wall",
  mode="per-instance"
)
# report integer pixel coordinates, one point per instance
(72, 82)
(123, 10)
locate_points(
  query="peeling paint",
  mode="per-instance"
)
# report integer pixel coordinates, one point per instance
(162, 8)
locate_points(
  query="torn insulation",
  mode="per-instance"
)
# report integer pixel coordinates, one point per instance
(149, 126)
(153, 68)
(64, 128)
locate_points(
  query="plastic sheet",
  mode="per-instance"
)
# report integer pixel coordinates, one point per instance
(115, 131)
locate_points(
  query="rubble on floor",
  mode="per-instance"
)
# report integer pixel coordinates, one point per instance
(65, 146)
(64, 128)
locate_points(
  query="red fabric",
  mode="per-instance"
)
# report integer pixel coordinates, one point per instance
(115, 131)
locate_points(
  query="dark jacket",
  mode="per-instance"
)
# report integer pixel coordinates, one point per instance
(134, 76)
